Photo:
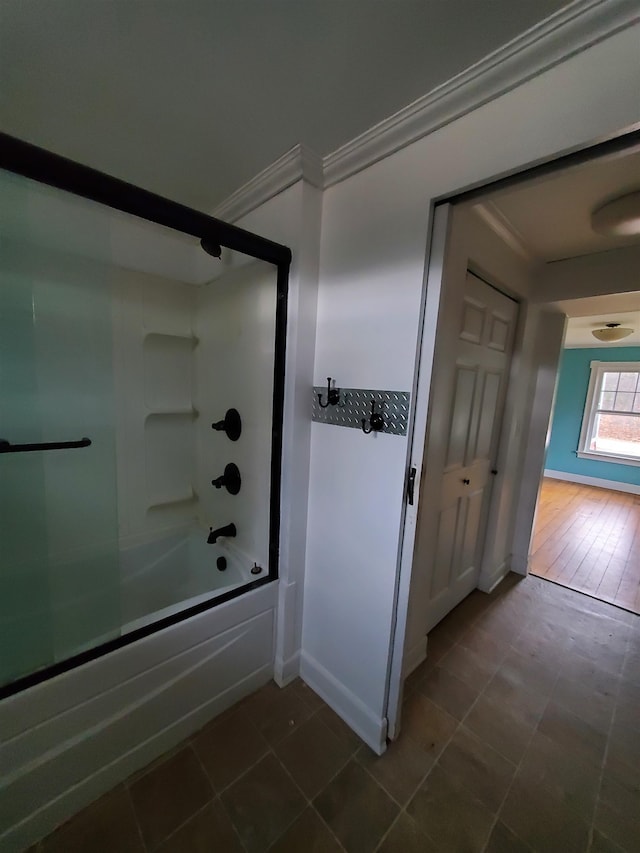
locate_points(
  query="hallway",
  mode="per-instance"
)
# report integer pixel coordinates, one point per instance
(588, 539)
(520, 733)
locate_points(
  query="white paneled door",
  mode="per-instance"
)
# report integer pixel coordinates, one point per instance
(476, 395)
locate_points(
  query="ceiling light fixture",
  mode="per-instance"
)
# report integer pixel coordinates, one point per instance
(618, 218)
(612, 332)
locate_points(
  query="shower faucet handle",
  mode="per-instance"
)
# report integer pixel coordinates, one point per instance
(231, 424)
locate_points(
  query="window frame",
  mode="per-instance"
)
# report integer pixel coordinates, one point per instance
(598, 369)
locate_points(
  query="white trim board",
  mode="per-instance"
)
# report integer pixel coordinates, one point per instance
(367, 725)
(299, 163)
(630, 488)
(568, 31)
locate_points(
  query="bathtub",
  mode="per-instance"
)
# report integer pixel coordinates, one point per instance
(177, 571)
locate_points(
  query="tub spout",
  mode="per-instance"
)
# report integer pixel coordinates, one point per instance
(227, 530)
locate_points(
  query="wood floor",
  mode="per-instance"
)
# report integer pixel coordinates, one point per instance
(588, 539)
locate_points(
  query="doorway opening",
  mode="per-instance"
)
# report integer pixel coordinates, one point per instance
(588, 520)
(532, 240)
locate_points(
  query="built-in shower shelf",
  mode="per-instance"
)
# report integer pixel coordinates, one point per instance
(176, 336)
(184, 412)
(161, 501)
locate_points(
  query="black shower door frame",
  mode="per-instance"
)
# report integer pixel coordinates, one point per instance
(29, 161)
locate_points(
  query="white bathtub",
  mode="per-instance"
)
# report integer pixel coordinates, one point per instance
(175, 572)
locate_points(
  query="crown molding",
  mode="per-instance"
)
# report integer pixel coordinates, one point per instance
(501, 225)
(299, 163)
(570, 30)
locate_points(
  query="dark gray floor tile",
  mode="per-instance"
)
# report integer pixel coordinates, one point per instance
(573, 733)
(339, 728)
(624, 740)
(622, 829)
(542, 820)
(530, 672)
(571, 780)
(591, 696)
(400, 770)
(448, 692)
(356, 809)
(627, 705)
(602, 844)
(104, 826)
(262, 804)
(481, 769)
(309, 834)
(313, 755)
(503, 840)
(508, 728)
(169, 795)
(426, 724)
(449, 814)
(210, 829)
(405, 836)
(506, 688)
(308, 696)
(280, 714)
(620, 785)
(229, 747)
(469, 666)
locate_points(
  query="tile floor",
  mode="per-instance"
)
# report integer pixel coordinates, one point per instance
(521, 732)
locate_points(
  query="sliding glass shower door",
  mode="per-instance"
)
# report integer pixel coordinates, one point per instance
(59, 572)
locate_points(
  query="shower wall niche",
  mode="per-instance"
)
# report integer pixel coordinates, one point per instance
(129, 333)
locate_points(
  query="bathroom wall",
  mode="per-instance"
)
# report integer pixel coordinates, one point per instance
(154, 346)
(571, 394)
(233, 368)
(375, 229)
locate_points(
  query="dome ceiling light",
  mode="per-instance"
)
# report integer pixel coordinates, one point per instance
(618, 218)
(611, 332)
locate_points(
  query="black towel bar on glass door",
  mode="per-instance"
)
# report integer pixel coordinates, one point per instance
(7, 447)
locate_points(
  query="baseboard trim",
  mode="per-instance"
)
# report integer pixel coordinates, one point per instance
(614, 485)
(285, 671)
(489, 583)
(414, 656)
(371, 728)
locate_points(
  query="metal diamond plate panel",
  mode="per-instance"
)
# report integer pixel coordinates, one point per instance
(355, 404)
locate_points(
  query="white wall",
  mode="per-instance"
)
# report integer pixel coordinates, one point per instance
(293, 218)
(234, 323)
(374, 235)
(588, 275)
(153, 351)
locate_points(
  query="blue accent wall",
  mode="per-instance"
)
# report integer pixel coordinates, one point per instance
(573, 383)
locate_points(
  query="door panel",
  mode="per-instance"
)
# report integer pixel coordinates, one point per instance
(478, 380)
(488, 410)
(461, 416)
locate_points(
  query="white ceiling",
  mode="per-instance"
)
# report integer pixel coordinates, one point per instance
(550, 216)
(193, 98)
(579, 329)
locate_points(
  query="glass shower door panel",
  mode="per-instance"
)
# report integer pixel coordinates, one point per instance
(59, 563)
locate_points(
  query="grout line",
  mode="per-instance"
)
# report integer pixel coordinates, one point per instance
(135, 816)
(607, 745)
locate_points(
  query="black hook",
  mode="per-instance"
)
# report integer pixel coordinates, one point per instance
(376, 421)
(333, 395)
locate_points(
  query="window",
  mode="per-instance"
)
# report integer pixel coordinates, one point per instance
(611, 421)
